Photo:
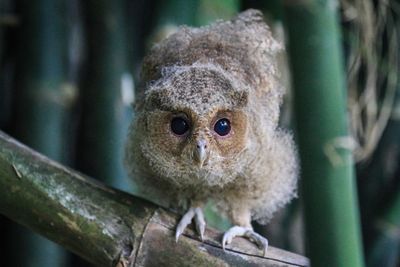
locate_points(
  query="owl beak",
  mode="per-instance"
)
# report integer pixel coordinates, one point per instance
(201, 154)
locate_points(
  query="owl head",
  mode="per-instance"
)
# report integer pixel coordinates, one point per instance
(194, 124)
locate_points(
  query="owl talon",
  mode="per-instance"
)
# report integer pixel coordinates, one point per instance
(200, 223)
(261, 241)
(198, 216)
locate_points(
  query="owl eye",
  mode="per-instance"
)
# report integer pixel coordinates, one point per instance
(179, 126)
(222, 127)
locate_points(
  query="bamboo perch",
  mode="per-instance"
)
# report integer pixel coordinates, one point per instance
(108, 227)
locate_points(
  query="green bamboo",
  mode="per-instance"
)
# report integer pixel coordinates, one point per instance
(106, 226)
(40, 105)
(328, 186)
(104, 93)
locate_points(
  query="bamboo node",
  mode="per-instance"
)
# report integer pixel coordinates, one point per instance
(332, 146)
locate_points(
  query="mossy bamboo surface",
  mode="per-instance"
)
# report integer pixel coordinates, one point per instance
(328, 185)
(106, 226)
(40, 108)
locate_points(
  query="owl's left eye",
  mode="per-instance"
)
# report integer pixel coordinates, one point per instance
(222, 127)
(179, 126)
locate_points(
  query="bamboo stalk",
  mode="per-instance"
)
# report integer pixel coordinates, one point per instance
(106, 226)
(329, 192)
(40, 109)
(105, 92)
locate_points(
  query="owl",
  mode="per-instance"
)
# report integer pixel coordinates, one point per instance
(206, 126)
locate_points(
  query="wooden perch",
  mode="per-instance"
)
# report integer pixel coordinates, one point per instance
(108, 227)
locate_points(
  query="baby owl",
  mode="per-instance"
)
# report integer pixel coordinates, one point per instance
(206, 126)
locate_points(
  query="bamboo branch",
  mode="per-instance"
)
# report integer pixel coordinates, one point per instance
(108, 227)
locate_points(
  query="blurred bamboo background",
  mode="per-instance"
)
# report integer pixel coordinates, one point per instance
(68, 71)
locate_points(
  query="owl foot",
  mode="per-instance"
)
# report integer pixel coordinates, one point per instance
(200, 223)
(261, 241)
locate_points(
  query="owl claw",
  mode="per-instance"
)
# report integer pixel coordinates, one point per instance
(261, 241)
(200, 223)
(198, 216)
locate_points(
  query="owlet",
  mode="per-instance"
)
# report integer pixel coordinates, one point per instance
(206, 126)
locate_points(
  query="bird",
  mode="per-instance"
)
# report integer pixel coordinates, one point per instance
(206, 126)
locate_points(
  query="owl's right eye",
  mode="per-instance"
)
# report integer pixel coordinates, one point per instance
(179, 126)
